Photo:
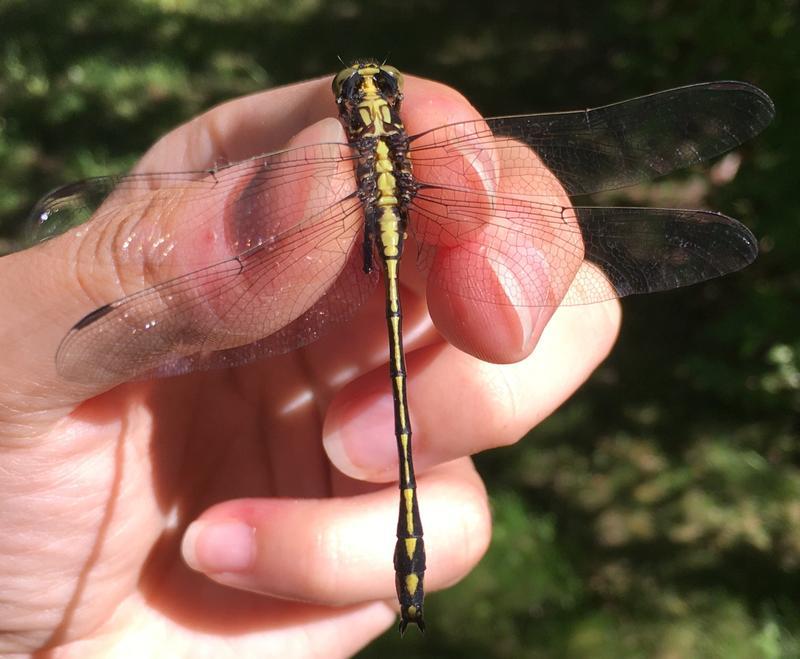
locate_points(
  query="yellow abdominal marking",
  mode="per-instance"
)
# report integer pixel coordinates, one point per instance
(401, 403)
(412, 580)
(388, 225)
(395, 321)
(391, 273)
(411, 547)
(404, 442)
(408, 495)
(386, 181)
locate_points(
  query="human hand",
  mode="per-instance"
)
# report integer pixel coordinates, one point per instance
(97, 487)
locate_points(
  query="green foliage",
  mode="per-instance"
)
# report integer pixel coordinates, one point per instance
(658, 513)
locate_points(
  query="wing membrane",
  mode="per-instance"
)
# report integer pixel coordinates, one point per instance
(250, 201)
(615, 145)
(492, 218)
(644, 250)
(205, 317)
(511, 250)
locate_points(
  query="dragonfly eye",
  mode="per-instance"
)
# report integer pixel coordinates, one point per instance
(392, 71)
(390, 80)
(341, 78)
(350, 89)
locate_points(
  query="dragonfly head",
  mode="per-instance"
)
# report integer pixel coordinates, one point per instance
(361, 79)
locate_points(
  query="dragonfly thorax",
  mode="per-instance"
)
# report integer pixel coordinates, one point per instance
(368, 96)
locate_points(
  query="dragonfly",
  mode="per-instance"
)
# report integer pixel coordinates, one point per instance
(272, 251)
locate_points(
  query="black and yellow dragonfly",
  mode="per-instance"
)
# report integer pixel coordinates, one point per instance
(485, 202)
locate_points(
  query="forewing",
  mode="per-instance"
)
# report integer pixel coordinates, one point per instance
(245, 203)
(612, 146)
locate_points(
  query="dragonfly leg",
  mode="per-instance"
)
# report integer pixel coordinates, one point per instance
(370, 227)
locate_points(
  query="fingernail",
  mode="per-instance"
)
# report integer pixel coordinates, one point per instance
(225, 546)
(363, 443)
(528, 294)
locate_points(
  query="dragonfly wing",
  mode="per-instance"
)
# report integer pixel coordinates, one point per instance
(604, 148)
(67, 207)
(508, 250)
(223, 258)
(496, 224)
(270, 295)
(644, 250)
(488, 248)
(248, 202)
(337, 304)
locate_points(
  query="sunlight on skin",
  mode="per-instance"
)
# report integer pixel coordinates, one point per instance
(343, 376)
(301, 400)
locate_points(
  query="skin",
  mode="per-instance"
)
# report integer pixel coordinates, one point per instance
(98, 486)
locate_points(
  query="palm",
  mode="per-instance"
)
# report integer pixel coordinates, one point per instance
(182, 445)
(151, 457)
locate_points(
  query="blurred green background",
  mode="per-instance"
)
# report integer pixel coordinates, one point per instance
(658, 513)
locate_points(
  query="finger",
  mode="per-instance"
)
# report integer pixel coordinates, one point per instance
(338, 551)
(460, 405)
(250, 627)
(62, 280)
(89, 268)
(54, 291)
(238, 129)
(498, 238)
